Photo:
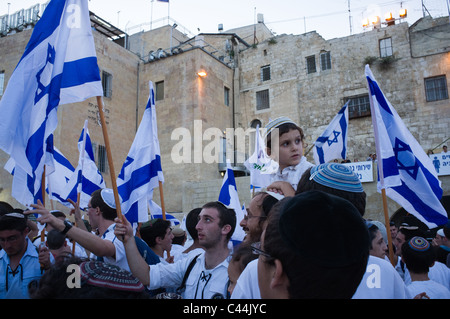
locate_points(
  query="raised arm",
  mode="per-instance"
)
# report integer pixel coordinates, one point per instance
(94, 244)
(138, 266)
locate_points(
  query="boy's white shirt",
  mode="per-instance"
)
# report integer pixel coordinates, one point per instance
(292, 174)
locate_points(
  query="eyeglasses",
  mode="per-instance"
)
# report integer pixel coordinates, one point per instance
(256, 249)
(10, 239)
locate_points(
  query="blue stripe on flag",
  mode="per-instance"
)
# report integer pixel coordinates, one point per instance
(133, 212)
(375, 90)
(139, 177)
(80, 71)
(46, 25)
(427, 212)
(62, 160)
(343, 125)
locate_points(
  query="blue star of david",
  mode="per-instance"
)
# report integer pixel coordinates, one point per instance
(405, 158)
(42, 90)
(128, 162)
(335, 140)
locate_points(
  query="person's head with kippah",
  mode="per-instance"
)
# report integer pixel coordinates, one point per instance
(316, 245)
(418, 255)
(105, 201)
(336, 179)
(290, 139)
(96, 280)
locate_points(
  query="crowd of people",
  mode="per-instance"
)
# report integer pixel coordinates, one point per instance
(306, 237)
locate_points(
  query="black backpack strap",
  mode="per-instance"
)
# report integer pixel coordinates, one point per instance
(186, 274)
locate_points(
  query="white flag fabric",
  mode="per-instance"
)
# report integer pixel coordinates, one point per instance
(332, 144)
(86, 178)
(404, 170)
(142, 170)
(229, 197)
(56, 182)
(59, 66)
(260, 165)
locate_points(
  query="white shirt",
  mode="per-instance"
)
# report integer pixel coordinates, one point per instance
(202, 283)
(433, 289)
(291, 174)
(247, 286)
(120, 259)
(439, 273)
(381, 281)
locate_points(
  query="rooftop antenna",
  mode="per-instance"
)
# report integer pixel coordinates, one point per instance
(350, 17)
(254, 27)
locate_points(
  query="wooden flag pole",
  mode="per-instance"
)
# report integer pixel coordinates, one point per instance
(75, 222)
(109, 155)
(388, 227)
(43, 187)
(161, 195)
(163, 208)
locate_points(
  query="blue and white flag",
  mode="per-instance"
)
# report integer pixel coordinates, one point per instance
(86, 178)
(59, 66)
(56, 181)
(260, 165)
(156, 212)
(332, 144)
(142, 170)
(229, 197)
(404, 170)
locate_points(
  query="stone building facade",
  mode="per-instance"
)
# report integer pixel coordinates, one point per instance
(301, 76)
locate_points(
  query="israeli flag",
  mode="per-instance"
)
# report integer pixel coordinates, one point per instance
(260, 165)
(56, 181)
(86, 178)
(59, 66)
(332, 144)
(142, 170)
(404, 170)
(229, 197)
(156, 212)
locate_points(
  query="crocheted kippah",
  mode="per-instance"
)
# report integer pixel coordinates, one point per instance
(273, 124)
(336, 176)
(419, 244)
(100, 274)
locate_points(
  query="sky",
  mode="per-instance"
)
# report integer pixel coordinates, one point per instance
(330, 18)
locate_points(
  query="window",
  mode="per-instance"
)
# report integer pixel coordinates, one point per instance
(265, 73)
(102, 159)
(255, 123)
(262, 100)
(436, 88)
(159, 90)
(358, 106)
(2, 82)
(107, 84)
(325, 61)
(226, 96)
(311, 64)
(385, 47)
